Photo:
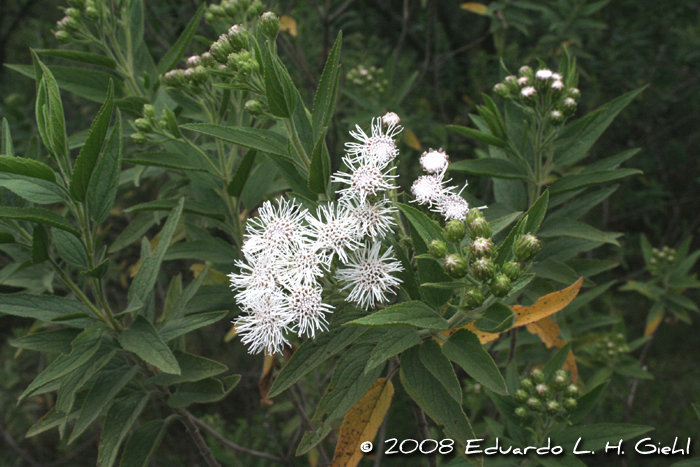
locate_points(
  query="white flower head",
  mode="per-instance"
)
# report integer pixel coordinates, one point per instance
(429, 189)
(390, 119)
(365, 178)
(453, 207)
(558, 85)
(279, 227)
(307, 310)
(379, 148)
(528, 91)
(369, 276)
(434, 161)
(334, 229)
(523, 81)
(264, 324)
(257, 277)
(557, 77)
(375, 219)
(303, 266)
(543, 75)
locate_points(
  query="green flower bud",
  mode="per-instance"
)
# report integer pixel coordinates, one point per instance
(568, 107)
(231, 8)
(479, 227)
(529, 95)
(474, 298)
(255, 8)
(526, 71)
(571, 391)
(221, 49)
(481, 247)
(511, 82)
(570, 404)
(525, 247)
(92, 13)
(73, 13)
(149, 111)
(270, 25)
(500, 285)
(244, 4)
(483, 269)
(455, 231)
(560, 380)
(542, 391)
(557, 89)
(79, 4)
(573, 93)
(534, 403)
(455, 266)
(62, 36)
(537, 375)
(254, 107)
(206, 60)
(217, 10)
(521, 395)
(553, 407)
(139, 138)
(521, 413)
(174, 78)
(209, 17)
(555, 117)
(527, 384)
(169, 118)
(69, 24)
(199, 74)
(143, 125)
(437, 249)
(511, 269)
(239, 37)
(501, 90)
(475, 214)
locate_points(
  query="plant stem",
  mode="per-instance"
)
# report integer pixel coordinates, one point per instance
(202, 445)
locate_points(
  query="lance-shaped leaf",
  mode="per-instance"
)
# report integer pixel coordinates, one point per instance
(120, 417)
(173, 55)
(464, 348)
(102, 189)
(412, 313)
(39, 216)
(327, 92)
(26, 167)
(142, 339)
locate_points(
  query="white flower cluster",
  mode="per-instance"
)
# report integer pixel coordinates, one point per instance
(431, 190)
(288, 249)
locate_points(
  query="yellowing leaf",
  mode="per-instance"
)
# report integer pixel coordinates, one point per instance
(214, 277)
(362, 422)
(411, 140)
(233, 332)
(135, 268)
(287, 23)
(474, 7)
(653, 323)
(266, 379)
(548, 331)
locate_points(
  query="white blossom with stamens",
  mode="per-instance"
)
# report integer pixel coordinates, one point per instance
(303, 266)
(543, 75)
(307, 310)
(453, 207)
(528, 91)
(375, 219)
(429, 189)
(334, 230)
(364, 179)
(264, 323)
(379, 148)
(256, 277)
(279, 227)
(369, 276)
(434, 161)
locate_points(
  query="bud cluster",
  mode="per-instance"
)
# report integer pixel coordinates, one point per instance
(149, 124)
(610, 349)
(543, 90)
(370, 79)
(537, 397)
(69, 26)
(661, 260)
(233, 10)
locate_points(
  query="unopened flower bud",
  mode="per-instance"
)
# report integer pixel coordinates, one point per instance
(560, 380)
(479, 227)
(206, 60)
(239, 37)
(171, 123)
(437, 249)
(501, 90)
(231, 8)
(568, 107)
(255, 8)
(542, 391)
(221, 49)
(537, 375)
(483, 269)
(557, 88)
(555, 117)
(573, 93)
(254, 107)
(455, 231)
(269, 25)
(391, 119)
(143, 125)
(149, 111)
(79, 4)
(527, 384)
(570, 404)
(571, 391)
(73, 13)
(543, 76)
(475, 214)
(553, 407)
(92, 13)
(474, 298)
(139, 138)
(500, 286)
(193, 61)
(69, 24)
(481, 247)
(209, 17)
(174, 78)
(244, 4)
(521, 413)
(523, 82)
(521, 395)
(217, 10)
(62, 35)
(534, 403)
(511, 269)
(511, 82)
(525, 247)
(455, 266)
(525, 71)
(198, 74)
(529, 95)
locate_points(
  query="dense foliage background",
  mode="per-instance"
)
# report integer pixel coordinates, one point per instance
(430, 61)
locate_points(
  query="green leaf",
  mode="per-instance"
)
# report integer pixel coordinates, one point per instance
(56, 124)
(102, 188)
(213, 250)
(492, 167)
(173, 55)
(595, 437)
(253, 138)
(144, 440)
(70, 249)
(78, 56)
(135, 230)
(25, 167)
(39, 216)
(485, 138)
(45, 308)
(33, 190)
(58, 340)
(496, 318)
(203, 392)
(194, 368)
(142, 339)
(87, 159)
(412, 313)
(578, 137)
(327, 91)
(502, 222)
(84, 347)
(169, 160)
(583, 204)
(556, 271)
(146, 277)
(279, 89)
(586, 403)
(427, 228)
(556, 362)
(408, 274)
(571, 228)
(441, 368)
(432, 397)
(396, 340)
(191, 207)
(98, 271)
(312, 352)
(536, 213)
(187, 295)
(235, 188)
(75, 381)
(178, 327)
(464, 348)
(40, 244)
(320, 168)
(6, 147)
(429, 271)
(577, 181)
(105, 387)
(120, 417)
